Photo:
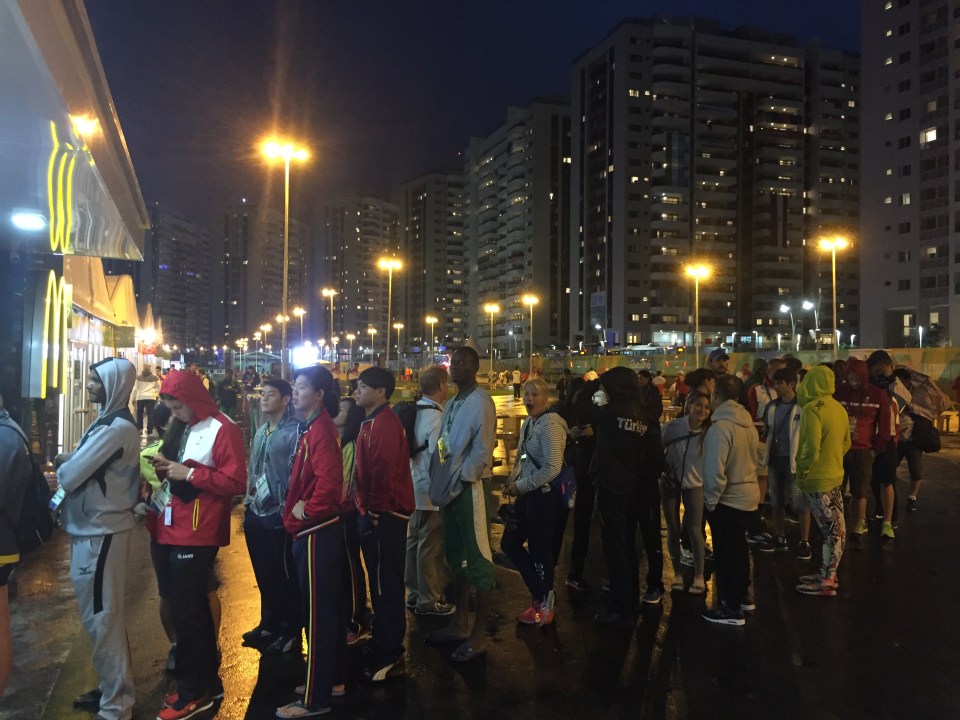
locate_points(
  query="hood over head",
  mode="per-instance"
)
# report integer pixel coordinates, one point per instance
(858, 366)
(188, 388)
(818, 382)
(621, 383)
(117, 375)
(146, 374)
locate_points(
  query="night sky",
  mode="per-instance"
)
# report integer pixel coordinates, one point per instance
(381, 91)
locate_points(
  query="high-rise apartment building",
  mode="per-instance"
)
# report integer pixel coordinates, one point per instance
(517, 184)
(251, 268)
(355, 232)
(691, 143)
(911, 171)
(432, 246)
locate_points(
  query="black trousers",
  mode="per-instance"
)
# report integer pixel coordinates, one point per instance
(385, 553)
(516, 390)
(145, 407)
(730, 553)
(536, 517)
(354, 579)
(582, 519)
(271, 554)
(885, 473)
(620, 517)
(197, 659)
(319, 557)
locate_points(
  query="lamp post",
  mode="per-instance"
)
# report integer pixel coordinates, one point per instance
(350, 338)
(514, 338)
(398, 326)
(282, 321)
(697, 272)
(530, 301)
(793, 325)
(287, 151)
(779, 335)
(834, 244)
(432, 322)
(373, 331)
(300, 312)
(600, 334)
(256, 336)
(265, 329)
(492, 309)
(389, 264)
(329, 293)
(335, 341)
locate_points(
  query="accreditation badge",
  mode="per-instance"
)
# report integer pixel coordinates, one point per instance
(261, 490)
(160, 498)
(443, 447)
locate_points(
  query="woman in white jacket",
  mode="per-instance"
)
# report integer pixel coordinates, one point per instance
(146, 390)
(683, 481)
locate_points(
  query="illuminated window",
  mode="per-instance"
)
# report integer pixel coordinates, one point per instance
(888, 60)
(928, 136)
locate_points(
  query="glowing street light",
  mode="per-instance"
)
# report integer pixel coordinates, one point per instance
(530, 300)
(398, 326)
(329, 293)
(389, 264)
(492, 309)
(350, 338)
(373, 331)
(793, 325)
(697, 272)
(833, 244)
(275, 149)
(432, 322)
(300, 312)
(265, 329)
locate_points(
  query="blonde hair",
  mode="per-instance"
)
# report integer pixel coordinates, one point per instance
(539, 384)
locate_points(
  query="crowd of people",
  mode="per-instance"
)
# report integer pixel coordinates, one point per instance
(345, 494)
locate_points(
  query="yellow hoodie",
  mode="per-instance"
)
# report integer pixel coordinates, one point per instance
(824, 433)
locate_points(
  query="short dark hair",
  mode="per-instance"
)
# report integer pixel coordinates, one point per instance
(696, 378)
(285, 388)
(728, 387)
(467, 350)
(646, 373)
(161, 415)
(351, 426)
(432, 378)
(321, 379)
(786, 375)
(879, 356)
(794, 363)
(378, 377)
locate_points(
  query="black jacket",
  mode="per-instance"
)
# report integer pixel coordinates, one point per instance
(628, 457)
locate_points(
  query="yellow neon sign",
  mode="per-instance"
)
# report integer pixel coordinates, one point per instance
(60, 174)
(57, 307)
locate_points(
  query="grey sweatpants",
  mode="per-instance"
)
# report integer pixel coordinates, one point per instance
(424, 568)
(98, 571)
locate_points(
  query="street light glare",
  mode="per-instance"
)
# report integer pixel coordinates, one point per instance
(328, 292)
(398, 326)
(807, 305)
(837, 243)
(273, 149)
(491, 308)
(430, 319)
(386, 263)
(784, 308)
(697, 271)
(530, 299)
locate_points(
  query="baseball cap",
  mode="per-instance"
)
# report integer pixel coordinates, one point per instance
(718, 354)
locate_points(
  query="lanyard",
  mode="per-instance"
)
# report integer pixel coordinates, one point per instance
(183, 444)
(455, 408)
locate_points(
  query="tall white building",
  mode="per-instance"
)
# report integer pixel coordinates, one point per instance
(517, 228)
(692, 143)
(432, 246)
(911, 171)
(356, 231)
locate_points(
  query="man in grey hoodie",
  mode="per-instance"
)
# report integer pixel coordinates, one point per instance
(100, 480)
(731, 496)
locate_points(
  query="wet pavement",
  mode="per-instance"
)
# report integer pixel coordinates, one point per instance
(887, 647)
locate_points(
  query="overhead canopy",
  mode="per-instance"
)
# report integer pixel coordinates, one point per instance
(67, 183)
(123, 300)
(90, 292)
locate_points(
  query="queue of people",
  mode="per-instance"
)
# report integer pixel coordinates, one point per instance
(339, 489)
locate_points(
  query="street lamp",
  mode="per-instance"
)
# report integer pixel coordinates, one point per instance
(373, 331)
(350, 338)
(329, 293)
(514, 338)
(300, 312)
(779, 335)
(697, 272)
(834, 244)
(530, 301)
(277, 149)
(432, 322)
(492, 309)
(389, 264)
(398, 326)
(266, 328)
(793, 325)
(256, 336)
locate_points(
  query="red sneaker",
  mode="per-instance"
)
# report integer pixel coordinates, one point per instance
(530, 616)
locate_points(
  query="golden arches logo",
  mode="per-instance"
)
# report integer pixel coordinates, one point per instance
(57, 308)
(61, 170)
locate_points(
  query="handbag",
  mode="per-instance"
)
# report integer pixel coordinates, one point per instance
(565, 481)
(924, 435)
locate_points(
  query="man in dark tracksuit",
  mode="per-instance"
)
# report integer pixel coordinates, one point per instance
(625, 469)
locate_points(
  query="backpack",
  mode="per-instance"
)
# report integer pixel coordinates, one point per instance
(36, 524)
(407, 412)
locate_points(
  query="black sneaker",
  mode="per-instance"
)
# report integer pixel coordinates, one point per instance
(758, 537)
(575, 582)
(804, 551)
(90, 700)
(748, 605)
(217, 692)
(911, 504)
(439, 608)
(258, 634)
(722, 615)
(792, 517)
(281, 644)
(779, 544)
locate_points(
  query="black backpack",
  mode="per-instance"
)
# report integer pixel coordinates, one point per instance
(407, 412)
(36, 524)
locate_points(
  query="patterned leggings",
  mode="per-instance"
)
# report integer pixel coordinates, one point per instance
(827, 510)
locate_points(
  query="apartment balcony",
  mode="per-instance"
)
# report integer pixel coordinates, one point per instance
(671, 105)
(670, 122)
(671, 88)
(678, 55)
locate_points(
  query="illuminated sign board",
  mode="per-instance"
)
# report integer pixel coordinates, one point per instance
(47, 324)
